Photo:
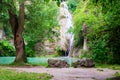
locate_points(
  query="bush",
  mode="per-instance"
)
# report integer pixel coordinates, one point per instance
(29, 48)
(72, 4)
(60, 52)
(85, 54)
(102, 17)
(29, 51)
(6, 49)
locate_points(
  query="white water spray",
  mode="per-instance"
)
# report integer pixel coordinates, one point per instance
(65, 21)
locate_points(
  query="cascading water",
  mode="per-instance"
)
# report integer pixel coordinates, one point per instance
(71, 45)
(65, 21)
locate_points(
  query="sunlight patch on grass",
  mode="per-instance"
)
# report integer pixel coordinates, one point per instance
(6, 74)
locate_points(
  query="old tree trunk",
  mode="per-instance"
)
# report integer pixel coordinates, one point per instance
(17, 26)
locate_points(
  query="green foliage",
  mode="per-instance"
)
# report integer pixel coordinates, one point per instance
(29, 51)
(111, 13)
(102, 17)
(59, 51)
(88, 14)
(112, 18)
(43, 64)
(8, 31)
(57, 1)
(6, 49)
(6, 74)
(85, 54)
(72, 4)
(1, 25)
(4, 16)
(40, 20)
(99, 47)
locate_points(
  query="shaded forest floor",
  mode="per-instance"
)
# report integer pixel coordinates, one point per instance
(71, 73)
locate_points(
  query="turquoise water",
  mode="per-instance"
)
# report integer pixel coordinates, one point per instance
(36, 60)
(6, 60)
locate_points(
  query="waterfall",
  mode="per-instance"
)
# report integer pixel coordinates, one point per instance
(65, 21)
(71, 45)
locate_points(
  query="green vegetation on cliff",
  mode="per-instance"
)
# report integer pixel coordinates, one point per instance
(102, 19)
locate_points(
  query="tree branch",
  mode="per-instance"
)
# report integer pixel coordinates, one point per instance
(13, 21)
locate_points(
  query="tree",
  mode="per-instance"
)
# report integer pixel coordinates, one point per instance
(17, 26)
(9, 8)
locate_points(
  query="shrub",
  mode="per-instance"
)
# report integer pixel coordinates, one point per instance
(85, 54)
(6, 49)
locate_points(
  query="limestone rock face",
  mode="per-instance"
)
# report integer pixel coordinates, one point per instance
(1, 34)
(85, 62)
(49, 46)
(57, 63)
(38, 47)
(76, 52)
(46, 46)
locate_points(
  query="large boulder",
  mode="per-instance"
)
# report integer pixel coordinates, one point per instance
(55, 63)
(85, 62)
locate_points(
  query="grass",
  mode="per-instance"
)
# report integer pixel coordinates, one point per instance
(7, 74)
(114, 67)
(116, 76)
(41, 64)
(26, 65)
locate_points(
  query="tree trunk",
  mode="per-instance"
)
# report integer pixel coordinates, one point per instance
(0, 1)
(17, 29)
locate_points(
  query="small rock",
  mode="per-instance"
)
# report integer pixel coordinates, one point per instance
(85, 62)
(57, 63)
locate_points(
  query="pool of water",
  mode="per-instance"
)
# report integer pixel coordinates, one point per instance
(36, 60)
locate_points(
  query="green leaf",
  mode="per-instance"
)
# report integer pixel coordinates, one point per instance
(47, 1)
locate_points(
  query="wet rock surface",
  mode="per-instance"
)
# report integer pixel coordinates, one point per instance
(53, 63)
(85, 62)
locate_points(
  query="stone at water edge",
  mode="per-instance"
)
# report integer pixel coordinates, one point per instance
(76, 64)
(85, 62)
(55, 63)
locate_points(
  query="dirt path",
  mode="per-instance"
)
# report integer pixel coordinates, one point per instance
(71, 73)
